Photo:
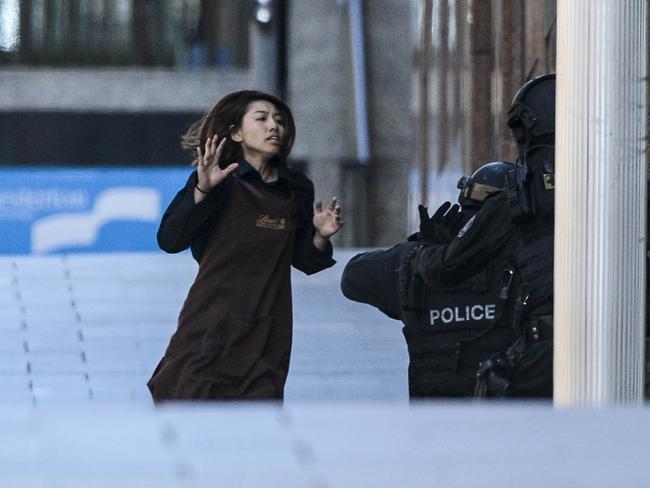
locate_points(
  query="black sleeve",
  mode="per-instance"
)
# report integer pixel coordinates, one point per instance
(428, 262)
(307, 257)
(185, 221)
(477, 241)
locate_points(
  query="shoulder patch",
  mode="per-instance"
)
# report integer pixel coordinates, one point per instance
(466, 227)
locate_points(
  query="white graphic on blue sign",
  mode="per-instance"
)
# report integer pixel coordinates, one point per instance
(58, 210)
(66, 230)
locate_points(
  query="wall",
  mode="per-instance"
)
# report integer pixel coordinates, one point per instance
(321, 94)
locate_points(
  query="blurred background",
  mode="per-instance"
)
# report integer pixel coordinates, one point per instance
(394, 100)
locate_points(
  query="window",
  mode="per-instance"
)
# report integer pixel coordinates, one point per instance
(187, 34)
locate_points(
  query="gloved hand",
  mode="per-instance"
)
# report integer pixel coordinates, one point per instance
(442, 227)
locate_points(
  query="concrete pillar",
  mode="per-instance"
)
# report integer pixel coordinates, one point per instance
(600, 202)
(321, 96)
(441, 61)
(458, 78)
(424, 61)
(535, 26)
(264, 44)
(481, 144)
(509, 72)
(392, 135)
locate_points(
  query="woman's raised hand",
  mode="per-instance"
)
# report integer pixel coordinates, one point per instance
(327, 221)
(208, 171)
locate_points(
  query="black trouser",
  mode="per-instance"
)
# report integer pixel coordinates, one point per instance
(373, 278)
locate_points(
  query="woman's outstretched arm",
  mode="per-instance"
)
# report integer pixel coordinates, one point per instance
(205, 193)
(184, 219)
(313, 252)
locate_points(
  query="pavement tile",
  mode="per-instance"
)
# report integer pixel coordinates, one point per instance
(11, 314)
(73, 386)
(136, 312)
(119, 379)
(14, 363)
(346, 386)
(54, 315)
(12, 341)
(56, 362)
(8, 293)
(40, 294)
(41, 267)
(11, 328)
(110, 362)
(90, 289)
(14, 387)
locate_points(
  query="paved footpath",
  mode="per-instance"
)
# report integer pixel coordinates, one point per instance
(91, 328)
(82, 333)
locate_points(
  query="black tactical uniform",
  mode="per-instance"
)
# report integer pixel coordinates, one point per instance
(526, 368)
(457, 303)
(452, 287)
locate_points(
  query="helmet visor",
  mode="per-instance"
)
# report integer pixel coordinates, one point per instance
(480, 191)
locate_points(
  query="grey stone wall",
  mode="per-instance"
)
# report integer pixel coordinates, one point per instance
(122, 90)
(392, 125)
(321, 94)
(318, 92)
(318, 75)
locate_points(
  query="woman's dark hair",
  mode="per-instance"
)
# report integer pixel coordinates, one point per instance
(226, 117)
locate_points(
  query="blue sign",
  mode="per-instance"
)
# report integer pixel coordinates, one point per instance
(59, 210)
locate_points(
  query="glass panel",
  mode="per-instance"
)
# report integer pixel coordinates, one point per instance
(9, 25)
(189, 34)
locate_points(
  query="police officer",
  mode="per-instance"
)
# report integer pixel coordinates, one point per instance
(526, 368)
(452, 285)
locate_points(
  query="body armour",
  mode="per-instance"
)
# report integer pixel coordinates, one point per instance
(526, 368)
(534, 254)
(457, 305)
(531, 185)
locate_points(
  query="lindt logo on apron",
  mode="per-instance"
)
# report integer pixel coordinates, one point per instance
(266, 222)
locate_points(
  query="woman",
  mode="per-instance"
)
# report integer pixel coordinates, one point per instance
(247, 218)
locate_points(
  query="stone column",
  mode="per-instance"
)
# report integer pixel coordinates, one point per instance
(600, 237)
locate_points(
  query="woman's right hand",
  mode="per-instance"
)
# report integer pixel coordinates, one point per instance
(208, 171)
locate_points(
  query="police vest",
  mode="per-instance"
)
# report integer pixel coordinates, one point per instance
(531, 184)
(534, 259)
(533, 252)
(541, 165)
(453, 326)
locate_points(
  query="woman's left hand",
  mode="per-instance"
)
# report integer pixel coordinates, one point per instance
(328, 221)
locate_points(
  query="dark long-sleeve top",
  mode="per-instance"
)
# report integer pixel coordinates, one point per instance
(189, 224)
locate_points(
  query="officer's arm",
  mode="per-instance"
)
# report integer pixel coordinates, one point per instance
(471, 249)
(427, 262)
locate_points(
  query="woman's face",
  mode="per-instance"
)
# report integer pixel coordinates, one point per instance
(261, 132)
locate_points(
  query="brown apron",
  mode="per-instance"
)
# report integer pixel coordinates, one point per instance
(233, 339)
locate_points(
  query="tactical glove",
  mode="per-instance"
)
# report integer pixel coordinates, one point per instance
(442, 227)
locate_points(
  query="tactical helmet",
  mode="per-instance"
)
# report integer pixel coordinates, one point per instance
(532, 113)
(489, 178)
